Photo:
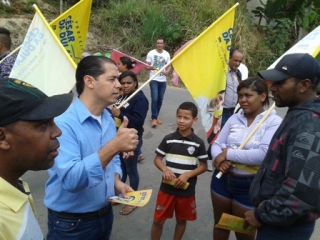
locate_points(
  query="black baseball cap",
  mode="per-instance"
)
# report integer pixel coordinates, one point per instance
(298, 65)
(22, 101)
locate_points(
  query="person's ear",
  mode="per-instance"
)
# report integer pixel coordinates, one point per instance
(4, 144)
(195, 120)
(263, 97)
(89, 81)
(305, 85)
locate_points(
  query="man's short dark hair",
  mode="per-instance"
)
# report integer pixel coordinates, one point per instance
(92, 66)
(189, 106)
(4, 31)
(161, 38)
(233, 50)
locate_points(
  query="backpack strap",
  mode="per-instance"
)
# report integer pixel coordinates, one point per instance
(239, 75)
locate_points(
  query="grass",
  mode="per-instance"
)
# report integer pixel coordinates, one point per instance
(132, 26)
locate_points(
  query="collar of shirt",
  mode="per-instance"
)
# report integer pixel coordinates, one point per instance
(83, 112)
(230, 71)
(11, 196)
(179, 136)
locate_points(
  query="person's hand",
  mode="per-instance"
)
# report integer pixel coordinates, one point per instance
(166, 73)
(181, 180)
(225, 166)
(126, 138)
(168, 174)
(251, 219)
(220, 158)
(121, 188)
(115, 111)
(126, 155)
(150, 67)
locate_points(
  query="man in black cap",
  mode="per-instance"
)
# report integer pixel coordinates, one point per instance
(28, 141)
(286, 189)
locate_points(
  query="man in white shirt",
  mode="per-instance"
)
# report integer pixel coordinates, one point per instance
(157, 59)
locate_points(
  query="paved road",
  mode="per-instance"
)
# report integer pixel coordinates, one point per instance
(137, 225)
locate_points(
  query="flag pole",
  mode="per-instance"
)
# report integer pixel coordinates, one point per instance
(18, 48)
(144, 84)
(178, 55)
(11, 53)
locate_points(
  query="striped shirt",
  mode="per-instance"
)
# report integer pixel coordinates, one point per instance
(182, 155)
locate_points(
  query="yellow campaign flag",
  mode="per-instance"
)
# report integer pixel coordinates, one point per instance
(71, 28)
(203, 66)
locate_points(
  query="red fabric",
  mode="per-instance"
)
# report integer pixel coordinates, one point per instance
(139, 65)
(167, 204)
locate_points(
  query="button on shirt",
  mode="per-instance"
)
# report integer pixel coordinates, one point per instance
(231, 96)
(77, 182)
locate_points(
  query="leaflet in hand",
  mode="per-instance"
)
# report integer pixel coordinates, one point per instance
(135, 198)
(171, 182)
(234, 223)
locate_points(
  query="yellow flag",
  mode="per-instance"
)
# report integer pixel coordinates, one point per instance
(203, 66)
(71, 28)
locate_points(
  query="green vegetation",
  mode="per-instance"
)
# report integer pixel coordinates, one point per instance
(132, 26)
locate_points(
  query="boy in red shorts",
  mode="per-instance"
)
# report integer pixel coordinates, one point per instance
(182, 150)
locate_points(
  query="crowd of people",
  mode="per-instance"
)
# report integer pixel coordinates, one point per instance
(90, 144)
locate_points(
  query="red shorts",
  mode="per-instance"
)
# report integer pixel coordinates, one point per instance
(184, 207)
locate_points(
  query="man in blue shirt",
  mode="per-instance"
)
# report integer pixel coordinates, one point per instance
(88, 171)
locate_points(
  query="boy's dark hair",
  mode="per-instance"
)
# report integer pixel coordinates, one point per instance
(92, 66)
(131, 74)
(189, 106)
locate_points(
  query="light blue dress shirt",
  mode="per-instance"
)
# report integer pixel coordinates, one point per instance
(77, 182)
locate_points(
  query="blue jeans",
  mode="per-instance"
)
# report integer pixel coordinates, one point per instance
(98, 227)
(129, 167)
(233, 187)
(157, 92)
(296, 231)
(226, 114)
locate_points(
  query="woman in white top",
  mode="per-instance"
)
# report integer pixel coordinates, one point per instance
(230, 193)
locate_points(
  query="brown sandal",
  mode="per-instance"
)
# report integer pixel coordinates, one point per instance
(127, 210)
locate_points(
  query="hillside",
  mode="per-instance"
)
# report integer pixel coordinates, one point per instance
(132, 25)
(118, 23)
(18, 17)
